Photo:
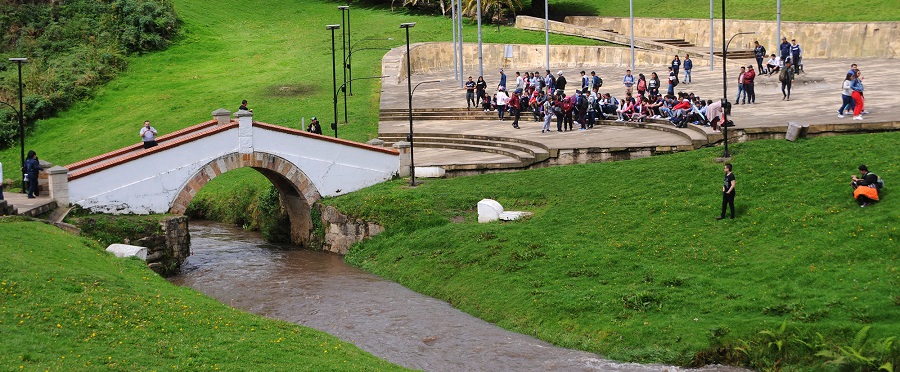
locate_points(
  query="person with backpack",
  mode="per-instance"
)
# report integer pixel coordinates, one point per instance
(673, 81)
(786, 77)
(581, 107)
(867, 188)
(596, 81)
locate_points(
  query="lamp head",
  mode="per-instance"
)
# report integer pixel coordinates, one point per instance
(19, 60)
(408, 25)
(344, 7)
(332, 27)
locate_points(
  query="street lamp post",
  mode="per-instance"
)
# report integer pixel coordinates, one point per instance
(19, 61)
(333, 77)
(344, 31)
(412, 168)
(725, 104)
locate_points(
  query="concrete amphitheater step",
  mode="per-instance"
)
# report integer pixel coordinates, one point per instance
(524, 151)
(697, 137)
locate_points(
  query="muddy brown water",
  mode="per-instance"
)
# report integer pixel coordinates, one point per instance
(319, 290)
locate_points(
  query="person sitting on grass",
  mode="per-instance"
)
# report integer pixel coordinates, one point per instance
(865, 189)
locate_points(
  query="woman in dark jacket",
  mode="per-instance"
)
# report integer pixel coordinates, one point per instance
(480, 88)
(32, 167)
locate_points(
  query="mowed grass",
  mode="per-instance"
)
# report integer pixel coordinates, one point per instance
(626, 258)
(67, 305)
(800, 10)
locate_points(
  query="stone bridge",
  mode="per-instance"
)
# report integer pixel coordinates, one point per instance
(304, 167)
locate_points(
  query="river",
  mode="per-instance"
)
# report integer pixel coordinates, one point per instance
(318, 290)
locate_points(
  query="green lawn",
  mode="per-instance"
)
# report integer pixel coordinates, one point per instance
(67, 305)
(626, 258)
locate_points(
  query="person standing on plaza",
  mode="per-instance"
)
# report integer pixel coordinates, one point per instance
(596, 81)
(32, 168)
(470, 94)
(760, 53)
(653, 84)
(672, 78)
(785, 49)
(740, 87)
(857, 87)
(727, 192)
(480, 89)
(520, 82)
(846, 94)
(676, 65)
(628, 81)
(688, 66)
(502, 100)
(148, 135)
(641, 85)
(548, 108)
(502, 80)
(515, 108)
(786, 76)
(796, 55)
(560, 82)
(749, 89)
(550, 82)
(585, 82)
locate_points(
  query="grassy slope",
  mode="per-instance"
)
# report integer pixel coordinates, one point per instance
(800, 10)
(627, 260)
(67, 305)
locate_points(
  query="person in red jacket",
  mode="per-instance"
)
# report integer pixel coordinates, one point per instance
(748, 84)
(515, 108)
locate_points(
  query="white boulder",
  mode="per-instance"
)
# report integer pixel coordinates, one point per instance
(125, 250)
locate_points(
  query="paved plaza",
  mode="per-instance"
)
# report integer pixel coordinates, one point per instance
(815, 99)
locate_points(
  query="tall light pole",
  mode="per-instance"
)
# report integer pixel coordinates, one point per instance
(711, 37)
(631, 13)
(19, 61)
(456, 74)
(480, 52)
(344, 44)
(725, 123)
(412, 168)
(547, 33)
(333, 77)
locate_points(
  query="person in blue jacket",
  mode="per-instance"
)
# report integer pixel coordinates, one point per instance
(32, 167)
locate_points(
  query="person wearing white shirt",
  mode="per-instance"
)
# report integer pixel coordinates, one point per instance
(502, 99)
(148, 135)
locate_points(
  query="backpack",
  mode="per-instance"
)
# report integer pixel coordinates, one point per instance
(783, 75)
(675, 82)
(878, 184)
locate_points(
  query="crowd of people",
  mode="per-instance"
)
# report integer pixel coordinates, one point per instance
(551, 97)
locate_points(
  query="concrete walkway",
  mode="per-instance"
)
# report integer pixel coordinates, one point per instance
(815, 98)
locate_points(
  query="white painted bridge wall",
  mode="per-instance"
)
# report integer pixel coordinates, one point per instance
(151, 183)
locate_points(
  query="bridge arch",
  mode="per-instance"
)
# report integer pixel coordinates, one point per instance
(297, 191)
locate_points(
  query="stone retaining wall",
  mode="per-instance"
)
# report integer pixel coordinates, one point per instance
(166, 252)
(818, 39)
(342, 232)
(438, 57)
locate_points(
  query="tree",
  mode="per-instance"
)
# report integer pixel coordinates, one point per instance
(493, 7)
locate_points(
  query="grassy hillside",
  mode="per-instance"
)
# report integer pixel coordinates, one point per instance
(626, 258)
(68, 305)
